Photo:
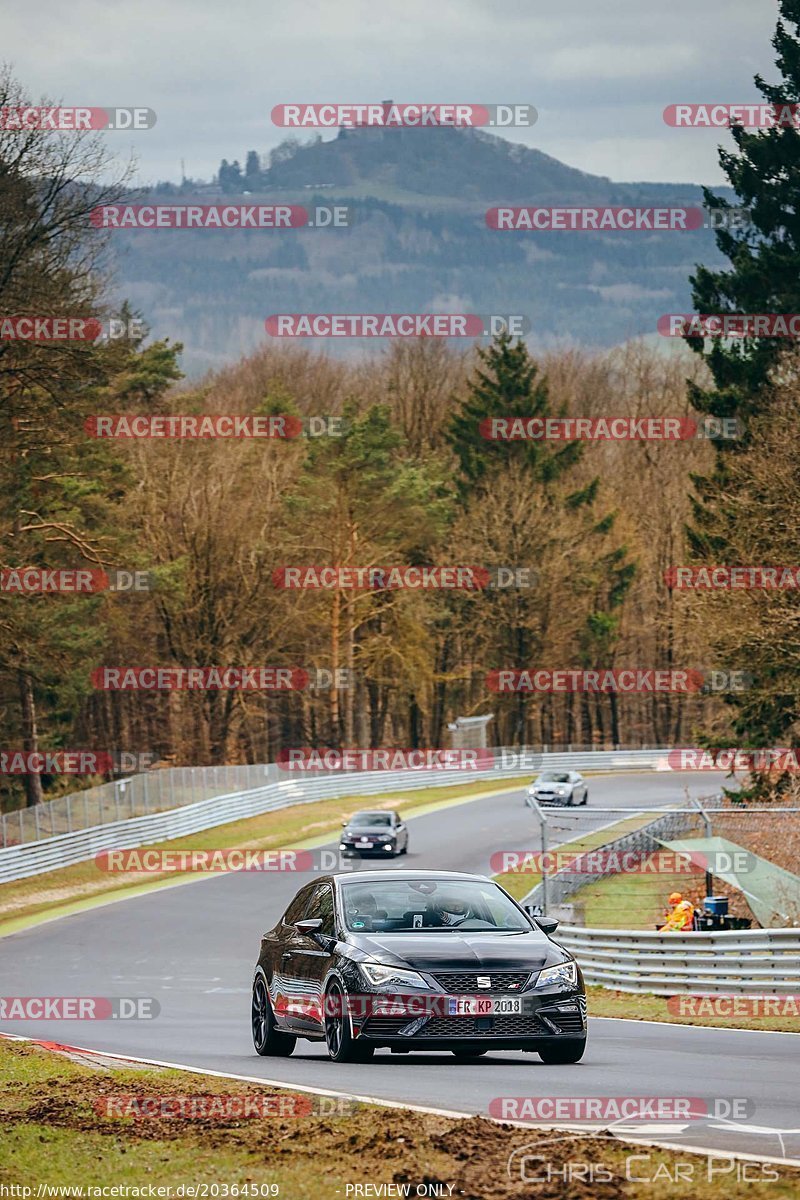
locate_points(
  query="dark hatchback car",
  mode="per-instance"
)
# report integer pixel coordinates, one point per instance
(415, 960)
(383, 833)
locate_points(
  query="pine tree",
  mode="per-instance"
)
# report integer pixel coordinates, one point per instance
(252, 169)
(764, 275)
(507, 384)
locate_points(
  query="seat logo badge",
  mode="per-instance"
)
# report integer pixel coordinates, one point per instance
(484, 981)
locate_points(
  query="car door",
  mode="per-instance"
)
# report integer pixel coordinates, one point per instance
(580, 787)
(282, 985)
(308, 957)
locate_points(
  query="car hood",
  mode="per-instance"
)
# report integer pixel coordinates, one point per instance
(460, 951)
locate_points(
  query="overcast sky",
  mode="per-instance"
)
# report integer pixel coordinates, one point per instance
(599, 72)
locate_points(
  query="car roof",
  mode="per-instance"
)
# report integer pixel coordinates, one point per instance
(377, 876)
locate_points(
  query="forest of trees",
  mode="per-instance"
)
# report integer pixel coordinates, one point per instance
(410, 480)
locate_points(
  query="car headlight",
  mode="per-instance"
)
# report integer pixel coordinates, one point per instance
(561, 791)
(379, 975)
(565, 974)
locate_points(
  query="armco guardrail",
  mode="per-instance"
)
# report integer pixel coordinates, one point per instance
(77, 845)
(754, 962)
(173, 787)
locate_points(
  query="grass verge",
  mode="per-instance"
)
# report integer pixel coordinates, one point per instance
(56, 1133)
(644, 1006)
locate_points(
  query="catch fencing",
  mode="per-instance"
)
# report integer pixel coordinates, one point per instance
(768, 880)
(178, 801)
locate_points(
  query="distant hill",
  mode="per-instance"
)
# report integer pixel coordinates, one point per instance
(419, 244)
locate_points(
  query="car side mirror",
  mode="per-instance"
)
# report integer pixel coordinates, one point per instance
(547, 925)
(312, 925)
(344, 824)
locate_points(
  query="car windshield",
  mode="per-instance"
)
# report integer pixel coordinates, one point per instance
(370, 818)
(553, 777)
(420, 905)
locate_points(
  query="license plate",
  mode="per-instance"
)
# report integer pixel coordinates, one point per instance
(483, 1006)
(364, 842)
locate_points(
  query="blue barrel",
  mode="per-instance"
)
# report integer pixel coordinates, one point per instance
(717, 905)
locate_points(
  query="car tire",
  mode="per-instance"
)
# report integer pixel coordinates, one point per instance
(341, 1045)
(466, 1055)
(570, 1050)
(586, 796)
(267, 1039)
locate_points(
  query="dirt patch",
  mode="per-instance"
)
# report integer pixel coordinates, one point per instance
(51, 1099)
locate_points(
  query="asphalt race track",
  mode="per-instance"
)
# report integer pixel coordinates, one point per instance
(192, 947)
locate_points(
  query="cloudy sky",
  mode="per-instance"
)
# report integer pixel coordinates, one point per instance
(600, 72)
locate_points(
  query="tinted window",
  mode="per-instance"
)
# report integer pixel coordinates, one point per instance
(371, 818)
(298, 906)
(322, 906)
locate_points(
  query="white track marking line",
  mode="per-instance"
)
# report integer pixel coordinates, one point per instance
(382, 1103)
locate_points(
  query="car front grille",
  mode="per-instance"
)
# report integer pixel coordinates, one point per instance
(477, 1027)
(466, 982)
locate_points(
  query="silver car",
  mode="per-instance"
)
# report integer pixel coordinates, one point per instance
(558, 787)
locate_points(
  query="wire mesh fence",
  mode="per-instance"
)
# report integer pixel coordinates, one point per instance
(173, 787)
(136, 796)
(618, 877)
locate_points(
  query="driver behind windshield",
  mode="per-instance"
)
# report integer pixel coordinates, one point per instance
(445, 910)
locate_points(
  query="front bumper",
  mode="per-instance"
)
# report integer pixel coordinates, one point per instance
(543, 1020)
(550, 798)
(380, 849)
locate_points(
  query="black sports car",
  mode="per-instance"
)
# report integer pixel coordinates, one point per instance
(368, 832)
(415, 960)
